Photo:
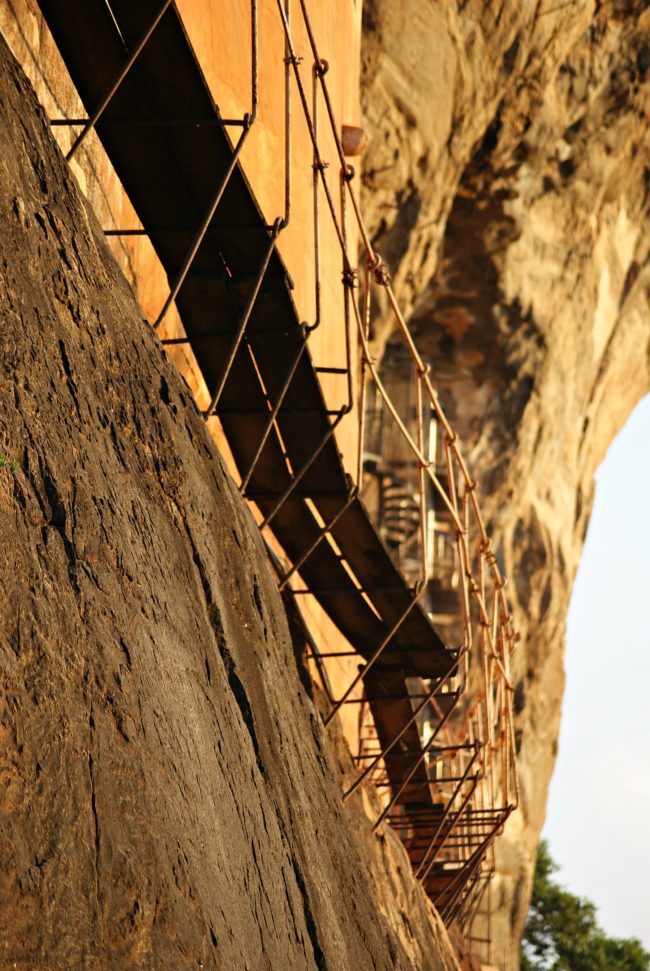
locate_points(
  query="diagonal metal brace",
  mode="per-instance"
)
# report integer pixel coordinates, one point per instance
(99, 111)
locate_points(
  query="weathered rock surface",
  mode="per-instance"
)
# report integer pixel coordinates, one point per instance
(168, 798)
(520, 131)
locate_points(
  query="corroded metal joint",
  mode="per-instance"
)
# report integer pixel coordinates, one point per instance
(382, 276)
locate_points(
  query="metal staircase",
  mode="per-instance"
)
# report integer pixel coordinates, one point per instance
(149, 103)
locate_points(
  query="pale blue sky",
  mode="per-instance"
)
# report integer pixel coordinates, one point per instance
(598, 819)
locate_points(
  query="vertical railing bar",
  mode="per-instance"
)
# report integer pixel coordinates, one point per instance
(363, 380)
(254, 64)
(287, 123)
(419, 418)
(489, 921)
(349, 281)
(295, 62)
(337, 139)
(316, 203)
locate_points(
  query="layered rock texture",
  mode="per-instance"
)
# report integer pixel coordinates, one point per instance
(168, 797)
(508, 185)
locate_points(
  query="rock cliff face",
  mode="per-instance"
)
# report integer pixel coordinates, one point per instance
(168, 796)
(508, 185)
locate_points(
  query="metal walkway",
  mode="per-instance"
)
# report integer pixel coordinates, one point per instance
(146, 96)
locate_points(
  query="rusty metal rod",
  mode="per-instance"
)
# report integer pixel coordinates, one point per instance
(187, 230)
(376, 655)
(429, 781)
(458, 839)
(352, 494)
(493, 815)
(414, 769)
(316, 169)
(403, 697)
(306, 467)
(214, 121)
(243, 324)
(287, 122)
(218, 334)
(273, 415)
(404, 753)
(101, 108)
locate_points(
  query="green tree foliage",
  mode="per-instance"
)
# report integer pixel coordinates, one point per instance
(562, 933)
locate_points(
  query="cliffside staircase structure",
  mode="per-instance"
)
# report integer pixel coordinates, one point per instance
(445, 768)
